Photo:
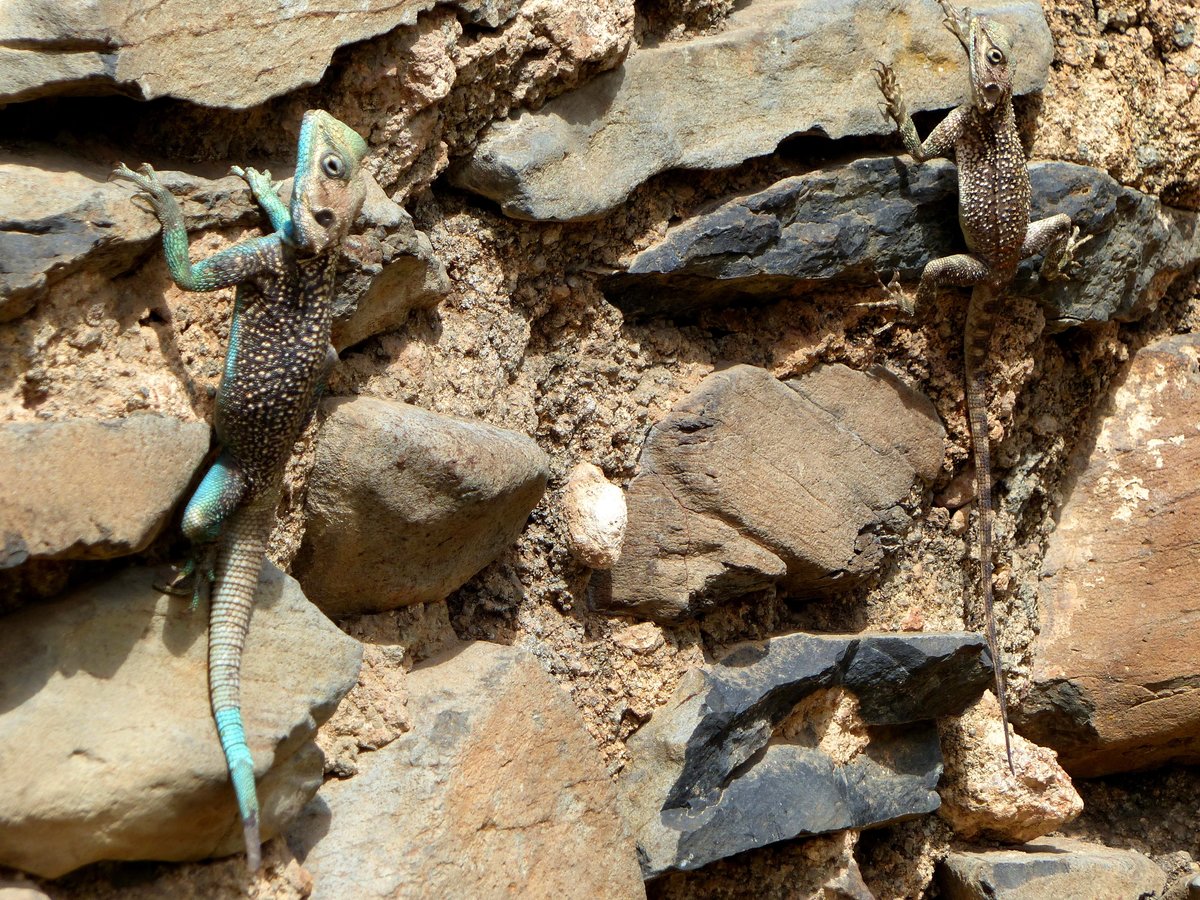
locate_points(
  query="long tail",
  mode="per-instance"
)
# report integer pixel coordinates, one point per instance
(239, 563)
(981, 320)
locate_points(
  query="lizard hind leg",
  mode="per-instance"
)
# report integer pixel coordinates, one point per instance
(221, 491)
(1058, 239)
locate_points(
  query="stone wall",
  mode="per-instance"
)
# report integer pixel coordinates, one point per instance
(604, 296)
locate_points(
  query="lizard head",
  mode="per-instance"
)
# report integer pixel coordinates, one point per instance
(328, 191)
(990, 49)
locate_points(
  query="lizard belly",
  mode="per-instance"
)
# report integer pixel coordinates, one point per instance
(263, 400)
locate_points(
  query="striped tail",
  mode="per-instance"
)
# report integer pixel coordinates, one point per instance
(243, 548)
(981, 321)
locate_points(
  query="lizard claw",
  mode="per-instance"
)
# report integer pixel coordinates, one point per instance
(896, 298)
(150, 190)
(885, 78)
(1058, 266)
(194, 578)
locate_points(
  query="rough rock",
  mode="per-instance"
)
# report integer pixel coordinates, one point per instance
(405, 505)
(21, 890)
(92, 488)
(750, 481)
(108, 687)
(802, 67)
(1115, 674)
(149, 49)
(877, 215)
(733, 760)
(59, 215)
(595, 513)
(1062, 868)
(496, 791)
(982, 798)
(386, 270)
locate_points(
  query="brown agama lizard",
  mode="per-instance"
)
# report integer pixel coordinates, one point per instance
(993, 210)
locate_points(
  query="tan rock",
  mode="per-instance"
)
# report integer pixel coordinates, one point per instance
(750, 481)
(595, 514)
(982, 798)
(497, 791)
(92, 488)
(21, 890)
(405, 505)
(1115, 672)
(152, 49)
(1062, 868)
(107, 746)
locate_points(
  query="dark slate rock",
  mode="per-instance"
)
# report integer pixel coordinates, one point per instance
(1063, 868)
(709, 777)
(877, 215)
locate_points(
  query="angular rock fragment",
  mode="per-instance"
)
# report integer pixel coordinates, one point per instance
(750, 481)
(802, 67)
(714, 774)
(92, 488)
(1053, 867)
(1115, 673)
(59, 214)
(882, 214)
(405, 505)
(148, 49)
(496, 791)
(107, 746)
(983, 798)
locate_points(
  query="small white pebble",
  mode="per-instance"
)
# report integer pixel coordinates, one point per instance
(595, 514)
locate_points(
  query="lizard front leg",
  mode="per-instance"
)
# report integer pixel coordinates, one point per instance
(959, 270)
(943, 137)
(1058, 239)
(239, 263)
(263, 189)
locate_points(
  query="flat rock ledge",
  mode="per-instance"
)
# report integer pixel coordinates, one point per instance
(146, 49)
(878, 215)
(496, 791)
(107, 746)
(92, 488)
(803, 67)
(1063, 868)
(751, 482)
(405, 505)
(799, 735)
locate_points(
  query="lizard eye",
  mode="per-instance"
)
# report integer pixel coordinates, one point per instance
(995, 57)
(333, 166)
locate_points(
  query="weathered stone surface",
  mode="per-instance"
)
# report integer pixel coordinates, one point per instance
(596, 515)
(151, 49)
(750, 481)
(107, 747)
(496, 791)
(983, 798)
(405, 505)
(21, 890)
(92, 488)
(882, 214)
(59, 214)
(779, 68)
(725, 766)
(1115, 673)
(1062, 868)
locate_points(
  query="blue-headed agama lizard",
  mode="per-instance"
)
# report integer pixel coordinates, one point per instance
(993, 210)
(278, 358)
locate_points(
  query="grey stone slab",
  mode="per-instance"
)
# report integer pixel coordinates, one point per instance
(778, 68)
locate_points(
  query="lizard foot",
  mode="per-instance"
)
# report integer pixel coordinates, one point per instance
(957, 21)
(195, 578)
(1058, 266)
(151, 191)
(896, 298)
(261, 184)
(893, 106)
